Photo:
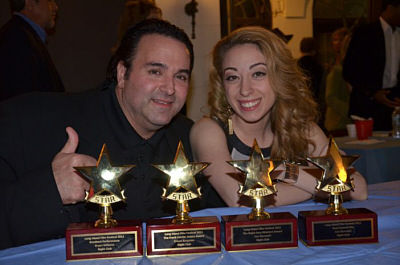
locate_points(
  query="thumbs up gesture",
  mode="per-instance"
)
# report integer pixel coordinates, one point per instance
(71, 186)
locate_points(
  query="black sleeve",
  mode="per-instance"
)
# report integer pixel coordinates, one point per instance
(31, 207)
(17, 65)
(360, 62)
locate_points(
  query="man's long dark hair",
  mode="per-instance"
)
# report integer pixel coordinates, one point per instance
(127, 50)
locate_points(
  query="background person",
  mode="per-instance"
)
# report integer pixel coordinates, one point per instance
(25, 63)
(308, 62)
(371, 66)
(337, 93)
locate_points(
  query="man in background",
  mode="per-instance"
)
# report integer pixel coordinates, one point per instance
(25, 63)
(371, 66)
(313, 69)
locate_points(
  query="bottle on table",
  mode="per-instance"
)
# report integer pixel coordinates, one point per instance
(396, 122)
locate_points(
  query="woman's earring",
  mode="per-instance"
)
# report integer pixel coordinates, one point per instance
(230, 126)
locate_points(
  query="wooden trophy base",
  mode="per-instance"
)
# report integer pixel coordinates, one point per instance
(279, 231)
(84, 241)
(167, 238)
(316, 228)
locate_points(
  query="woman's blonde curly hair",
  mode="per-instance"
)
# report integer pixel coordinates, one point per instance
(294, 107)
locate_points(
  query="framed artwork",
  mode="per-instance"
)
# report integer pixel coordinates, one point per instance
(240, 13)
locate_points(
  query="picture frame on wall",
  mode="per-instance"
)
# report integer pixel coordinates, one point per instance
(240, 13)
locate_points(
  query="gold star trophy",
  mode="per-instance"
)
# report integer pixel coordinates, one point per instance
(182, 234)
(106, 238)
(259, 229)
(336, 225)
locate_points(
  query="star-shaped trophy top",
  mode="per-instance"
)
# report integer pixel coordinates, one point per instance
(335, 167)
(104, 177)
(257, 171)
(181, 174)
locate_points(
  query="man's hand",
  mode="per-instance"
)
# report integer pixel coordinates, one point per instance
(71, 186)
(381, 97)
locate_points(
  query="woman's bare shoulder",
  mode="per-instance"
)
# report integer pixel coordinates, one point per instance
(206, 125)
(207, 133)
(319, 138)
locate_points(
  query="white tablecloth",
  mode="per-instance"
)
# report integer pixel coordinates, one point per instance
(384, 199)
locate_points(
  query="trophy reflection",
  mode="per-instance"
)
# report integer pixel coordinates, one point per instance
(258, 229)
(336, 225)
(182, 234)
(106, 238)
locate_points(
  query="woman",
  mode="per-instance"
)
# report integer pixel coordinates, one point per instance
(257, 87)
(337, 94)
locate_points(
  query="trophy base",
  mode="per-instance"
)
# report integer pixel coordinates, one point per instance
(316, 228)
(85, 241)
(279, 231)
(167, 238)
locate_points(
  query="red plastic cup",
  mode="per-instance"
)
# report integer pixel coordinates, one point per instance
(364, 129)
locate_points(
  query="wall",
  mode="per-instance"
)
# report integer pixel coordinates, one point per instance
(208, 32)
(86, 30)
(296, 19)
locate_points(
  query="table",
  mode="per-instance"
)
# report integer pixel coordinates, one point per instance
(379, 157)
(384, 199)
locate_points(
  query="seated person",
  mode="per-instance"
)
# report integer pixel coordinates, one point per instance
(135, 112)
(258, 89)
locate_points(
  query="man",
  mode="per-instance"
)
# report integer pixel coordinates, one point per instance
(314, 71)
(371, 66)
(135, 113)
(25, 63)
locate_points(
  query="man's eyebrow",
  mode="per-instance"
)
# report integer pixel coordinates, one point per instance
(156, 64)
(184, 71)
(164, 66)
